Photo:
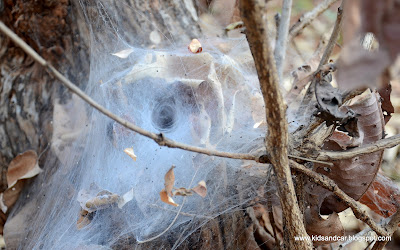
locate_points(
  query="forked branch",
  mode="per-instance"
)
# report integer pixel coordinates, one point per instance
(252, 13)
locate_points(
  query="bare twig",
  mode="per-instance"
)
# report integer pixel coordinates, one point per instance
(281, 42)
(252, 13)
(308, 17)
(365, 149)
(333, 38)
(330, 185)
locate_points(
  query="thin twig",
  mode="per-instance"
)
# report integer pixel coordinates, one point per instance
(308, 17)
(281, 42)
(365, 149)
(252, 13)
(330, 185)
(333, 38)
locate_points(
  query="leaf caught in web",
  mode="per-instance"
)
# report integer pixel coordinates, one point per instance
(131, 153)
(123, 53)
(167, 199)
(195, 46)
(201, 189)
(169, 180)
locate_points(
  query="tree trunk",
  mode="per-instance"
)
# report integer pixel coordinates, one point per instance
(59, 31)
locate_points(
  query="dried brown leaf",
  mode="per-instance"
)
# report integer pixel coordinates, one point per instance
(355, 175)
(131, 153)
(167, 199)
(201, 189)
(316, 225)
(169, 180)
(23, 166)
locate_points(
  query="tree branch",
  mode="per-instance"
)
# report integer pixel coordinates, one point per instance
(281, 42)
(252, 13)
(308, 17)
(365, 149)
(333, 38)
(330, 185)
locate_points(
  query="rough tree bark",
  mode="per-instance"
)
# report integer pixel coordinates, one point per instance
(59, 31)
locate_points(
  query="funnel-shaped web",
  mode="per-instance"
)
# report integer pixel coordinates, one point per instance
(211, 99)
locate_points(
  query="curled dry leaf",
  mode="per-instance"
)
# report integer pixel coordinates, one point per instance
(329, 100)
(201, 189)
(23, 166)
(131, 153)
(169, 180)
(316, 225)
(355, 175)
(9, 197)
(167, 199)
(123, 53)
(195, 46)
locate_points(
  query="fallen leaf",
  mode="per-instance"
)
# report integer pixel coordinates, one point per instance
(195, 46)
(316, 225)
(355, 175)
(131, 153)
(167, 199)
(10, 196)
(182, 192)
(200, 189)
(169, 180)
(123, 53)
(23, 166)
